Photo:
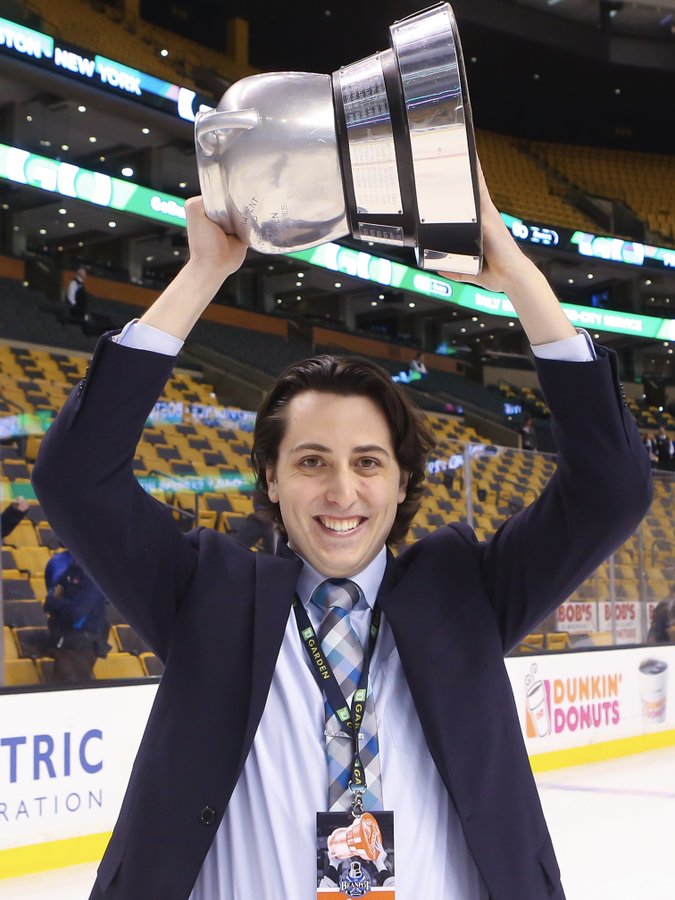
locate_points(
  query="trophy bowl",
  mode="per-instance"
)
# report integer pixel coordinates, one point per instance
(382, 150)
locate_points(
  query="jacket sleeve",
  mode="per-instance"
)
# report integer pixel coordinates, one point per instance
(84, 479)
(596, 499)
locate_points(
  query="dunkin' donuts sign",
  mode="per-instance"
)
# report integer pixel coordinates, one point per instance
(573, 699)
(571, 704)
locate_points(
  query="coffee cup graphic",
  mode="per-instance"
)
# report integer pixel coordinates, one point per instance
(362, 838)
(653, 689)
(537, 703)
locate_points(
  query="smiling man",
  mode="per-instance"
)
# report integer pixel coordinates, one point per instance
(335, 702)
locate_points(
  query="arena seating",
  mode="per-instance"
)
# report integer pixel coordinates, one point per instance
(522, 187)
(36, 379)
(643, 181)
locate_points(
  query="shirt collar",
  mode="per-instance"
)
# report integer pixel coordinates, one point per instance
(368, 580)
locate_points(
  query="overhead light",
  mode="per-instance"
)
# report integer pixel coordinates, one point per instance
(670, 351)
(92, 139)
(127, 171)
(163, 52)
(25, 283)
(270, 268)
(278, 300)
(463, 330)
(338, 284)
(65, 147)
(617, 90)
(298, 284)
(570, 280)
(474, 318)
(590, 275)
(145, 131)
(80, 244)
(298, 297)
(44, 143)
(512, 324)
(380, 296)
(373, 302)
(81, 108)
(182, 184)
(101, 158)
(411, 305)
(29, 118)
(666, 344)
(648, 281)
(63, 211)
(482, 325)
(71, 224)
(60, 249)
(16, 228)
(596, 336)
(474, 59)
(176, 252)
(536, 76)
(43, 231)
(5, 205)
(301, 274)
(149, 258)
(112, 224)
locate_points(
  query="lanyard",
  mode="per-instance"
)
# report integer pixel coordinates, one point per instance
(351, 720)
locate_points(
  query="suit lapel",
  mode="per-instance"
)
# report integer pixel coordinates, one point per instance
(275, 583)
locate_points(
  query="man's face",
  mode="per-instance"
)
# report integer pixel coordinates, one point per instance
(337, 481)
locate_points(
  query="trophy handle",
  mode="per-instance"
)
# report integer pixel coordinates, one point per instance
(229, 121)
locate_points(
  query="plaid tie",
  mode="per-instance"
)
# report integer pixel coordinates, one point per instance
(345, 655)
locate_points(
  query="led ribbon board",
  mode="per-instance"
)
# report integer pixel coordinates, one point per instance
(63, 178)
(61, 58)
(595, 246)
(391, 274)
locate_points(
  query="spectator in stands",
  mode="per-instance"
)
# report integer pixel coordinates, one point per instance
(239, 754)
(662, 630)
(12, 515)
(77, 297)
(528, 435)
(663, 448)
(78, 628)
(417, 366)
(257, 527)
(649, 444)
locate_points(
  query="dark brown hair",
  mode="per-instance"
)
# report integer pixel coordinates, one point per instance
(411, 435)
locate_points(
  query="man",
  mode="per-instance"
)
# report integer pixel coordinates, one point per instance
(242, 750)
(663, 448)
(78, 628)
(76, 295)
(662, 630)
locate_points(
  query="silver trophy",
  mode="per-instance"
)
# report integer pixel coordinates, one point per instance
(383, 150)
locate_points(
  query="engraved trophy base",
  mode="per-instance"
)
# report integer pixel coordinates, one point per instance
(407, 145)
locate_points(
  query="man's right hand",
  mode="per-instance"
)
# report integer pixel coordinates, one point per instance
(209, 245)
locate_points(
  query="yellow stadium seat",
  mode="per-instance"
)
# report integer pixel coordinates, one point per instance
(21, 671)
(32, 559)
(557, 640)
(23, 535)
(118, 665)
(11, 649)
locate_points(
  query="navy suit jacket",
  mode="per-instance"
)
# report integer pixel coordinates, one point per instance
(215, 613)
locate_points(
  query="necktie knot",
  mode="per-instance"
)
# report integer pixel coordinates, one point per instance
(340, 593)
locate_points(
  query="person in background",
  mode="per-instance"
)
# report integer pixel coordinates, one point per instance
(256, 527)
(77, 297)
(78, 628)
(418, 366)
(663, 448)
(662, 630)
(528, 435)
(12, 515)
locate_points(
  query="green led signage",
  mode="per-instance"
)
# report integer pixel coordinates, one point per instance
(92, 187)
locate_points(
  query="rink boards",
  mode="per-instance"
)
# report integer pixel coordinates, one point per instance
(65, 756)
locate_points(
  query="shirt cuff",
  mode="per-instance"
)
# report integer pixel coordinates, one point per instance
(574, 349)
(146, 337)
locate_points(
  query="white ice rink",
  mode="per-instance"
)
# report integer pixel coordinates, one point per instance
(613, 827)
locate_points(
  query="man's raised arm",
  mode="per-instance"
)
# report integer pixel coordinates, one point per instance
(84, 477)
